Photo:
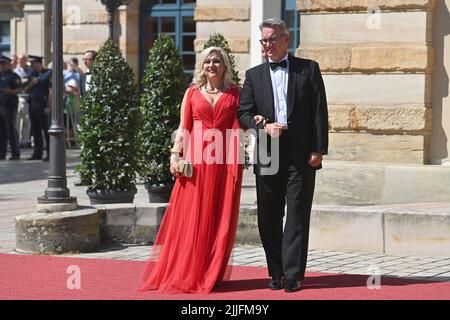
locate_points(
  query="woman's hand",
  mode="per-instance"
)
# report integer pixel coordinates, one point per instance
(174, 158)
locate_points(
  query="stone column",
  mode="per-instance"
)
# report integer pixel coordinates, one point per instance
(129, 34)
(37, 16)
(230, 18)
(377, 59)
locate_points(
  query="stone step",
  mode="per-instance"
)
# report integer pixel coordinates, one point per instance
(419, 229)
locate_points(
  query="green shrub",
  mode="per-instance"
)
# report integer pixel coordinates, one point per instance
(110, 124)
(163, 87)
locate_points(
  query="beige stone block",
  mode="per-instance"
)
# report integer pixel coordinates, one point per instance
(237, 45)
(337, 228)
(349, 183)
(364, 183)
(370, 58)
(392, 57)
(362, 5)
(409, 184)
(84, 5)
(379, 89)
(228, 28)
(330, 58)
(403, 118)
(410, 232)
(72, 17)
(366, 147)
(220, 13)
(219, 3)
(79, 47)
(405, 27)
(86, 32)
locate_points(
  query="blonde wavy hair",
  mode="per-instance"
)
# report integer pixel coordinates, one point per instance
(199, 74)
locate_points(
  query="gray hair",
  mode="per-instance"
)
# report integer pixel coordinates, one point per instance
(273, 23)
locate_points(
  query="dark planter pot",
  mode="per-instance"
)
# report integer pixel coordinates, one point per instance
(110, 196)
(159, 193)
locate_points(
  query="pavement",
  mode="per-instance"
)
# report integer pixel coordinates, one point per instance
(21, 182)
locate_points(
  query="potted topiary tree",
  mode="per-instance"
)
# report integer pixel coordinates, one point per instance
(163, 87)
(109, 130)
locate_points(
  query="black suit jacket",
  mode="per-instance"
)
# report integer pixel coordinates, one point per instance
(307, 112)
(82, 85)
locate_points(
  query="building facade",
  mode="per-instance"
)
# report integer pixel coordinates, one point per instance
(385, 63)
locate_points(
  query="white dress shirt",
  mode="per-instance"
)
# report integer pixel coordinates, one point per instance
(88, 80)
(279, 78)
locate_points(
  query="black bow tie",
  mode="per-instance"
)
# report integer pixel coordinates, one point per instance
(282, 64)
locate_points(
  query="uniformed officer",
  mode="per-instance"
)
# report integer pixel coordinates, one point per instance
(39, 87)
(10, 86)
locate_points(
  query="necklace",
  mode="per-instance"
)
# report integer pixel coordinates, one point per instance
(215, 91)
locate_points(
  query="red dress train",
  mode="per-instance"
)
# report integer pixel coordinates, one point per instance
(197, 233)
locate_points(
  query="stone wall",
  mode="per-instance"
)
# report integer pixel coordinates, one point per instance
(377, 60)
(230, 18)
(86, 28)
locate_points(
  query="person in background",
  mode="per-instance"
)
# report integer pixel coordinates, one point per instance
(71, 111)
(85, 79)
(10, 86)
(39, 88)
(72, 71)
(14, 61)
(23, 124)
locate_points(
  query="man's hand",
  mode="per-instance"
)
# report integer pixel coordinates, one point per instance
(273, 129)
(315, 159)
(258, 119)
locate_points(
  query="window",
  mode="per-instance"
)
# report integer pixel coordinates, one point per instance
(174, 17)
(5, 38)
(292, 18)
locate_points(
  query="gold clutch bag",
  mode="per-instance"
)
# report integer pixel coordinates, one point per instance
(185, 168)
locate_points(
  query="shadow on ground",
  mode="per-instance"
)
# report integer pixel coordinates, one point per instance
(24, 171)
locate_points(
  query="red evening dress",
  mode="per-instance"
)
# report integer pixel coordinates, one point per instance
(196, 236)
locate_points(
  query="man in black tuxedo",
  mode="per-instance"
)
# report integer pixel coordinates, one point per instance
(285, 99)
(85, 78)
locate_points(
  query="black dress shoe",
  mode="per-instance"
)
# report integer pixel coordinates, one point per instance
(291, 285)
(276, 283)
(45, 159)
(34, 158)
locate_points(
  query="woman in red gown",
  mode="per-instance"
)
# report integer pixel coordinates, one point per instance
(196, 236)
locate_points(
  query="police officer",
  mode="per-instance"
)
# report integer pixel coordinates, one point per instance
(10, 86)
(38, 88)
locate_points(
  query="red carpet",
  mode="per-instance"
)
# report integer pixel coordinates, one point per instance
(45, 277)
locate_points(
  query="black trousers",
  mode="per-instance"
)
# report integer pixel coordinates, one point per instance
(8, 131)
(39, 125)
(286, 250)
